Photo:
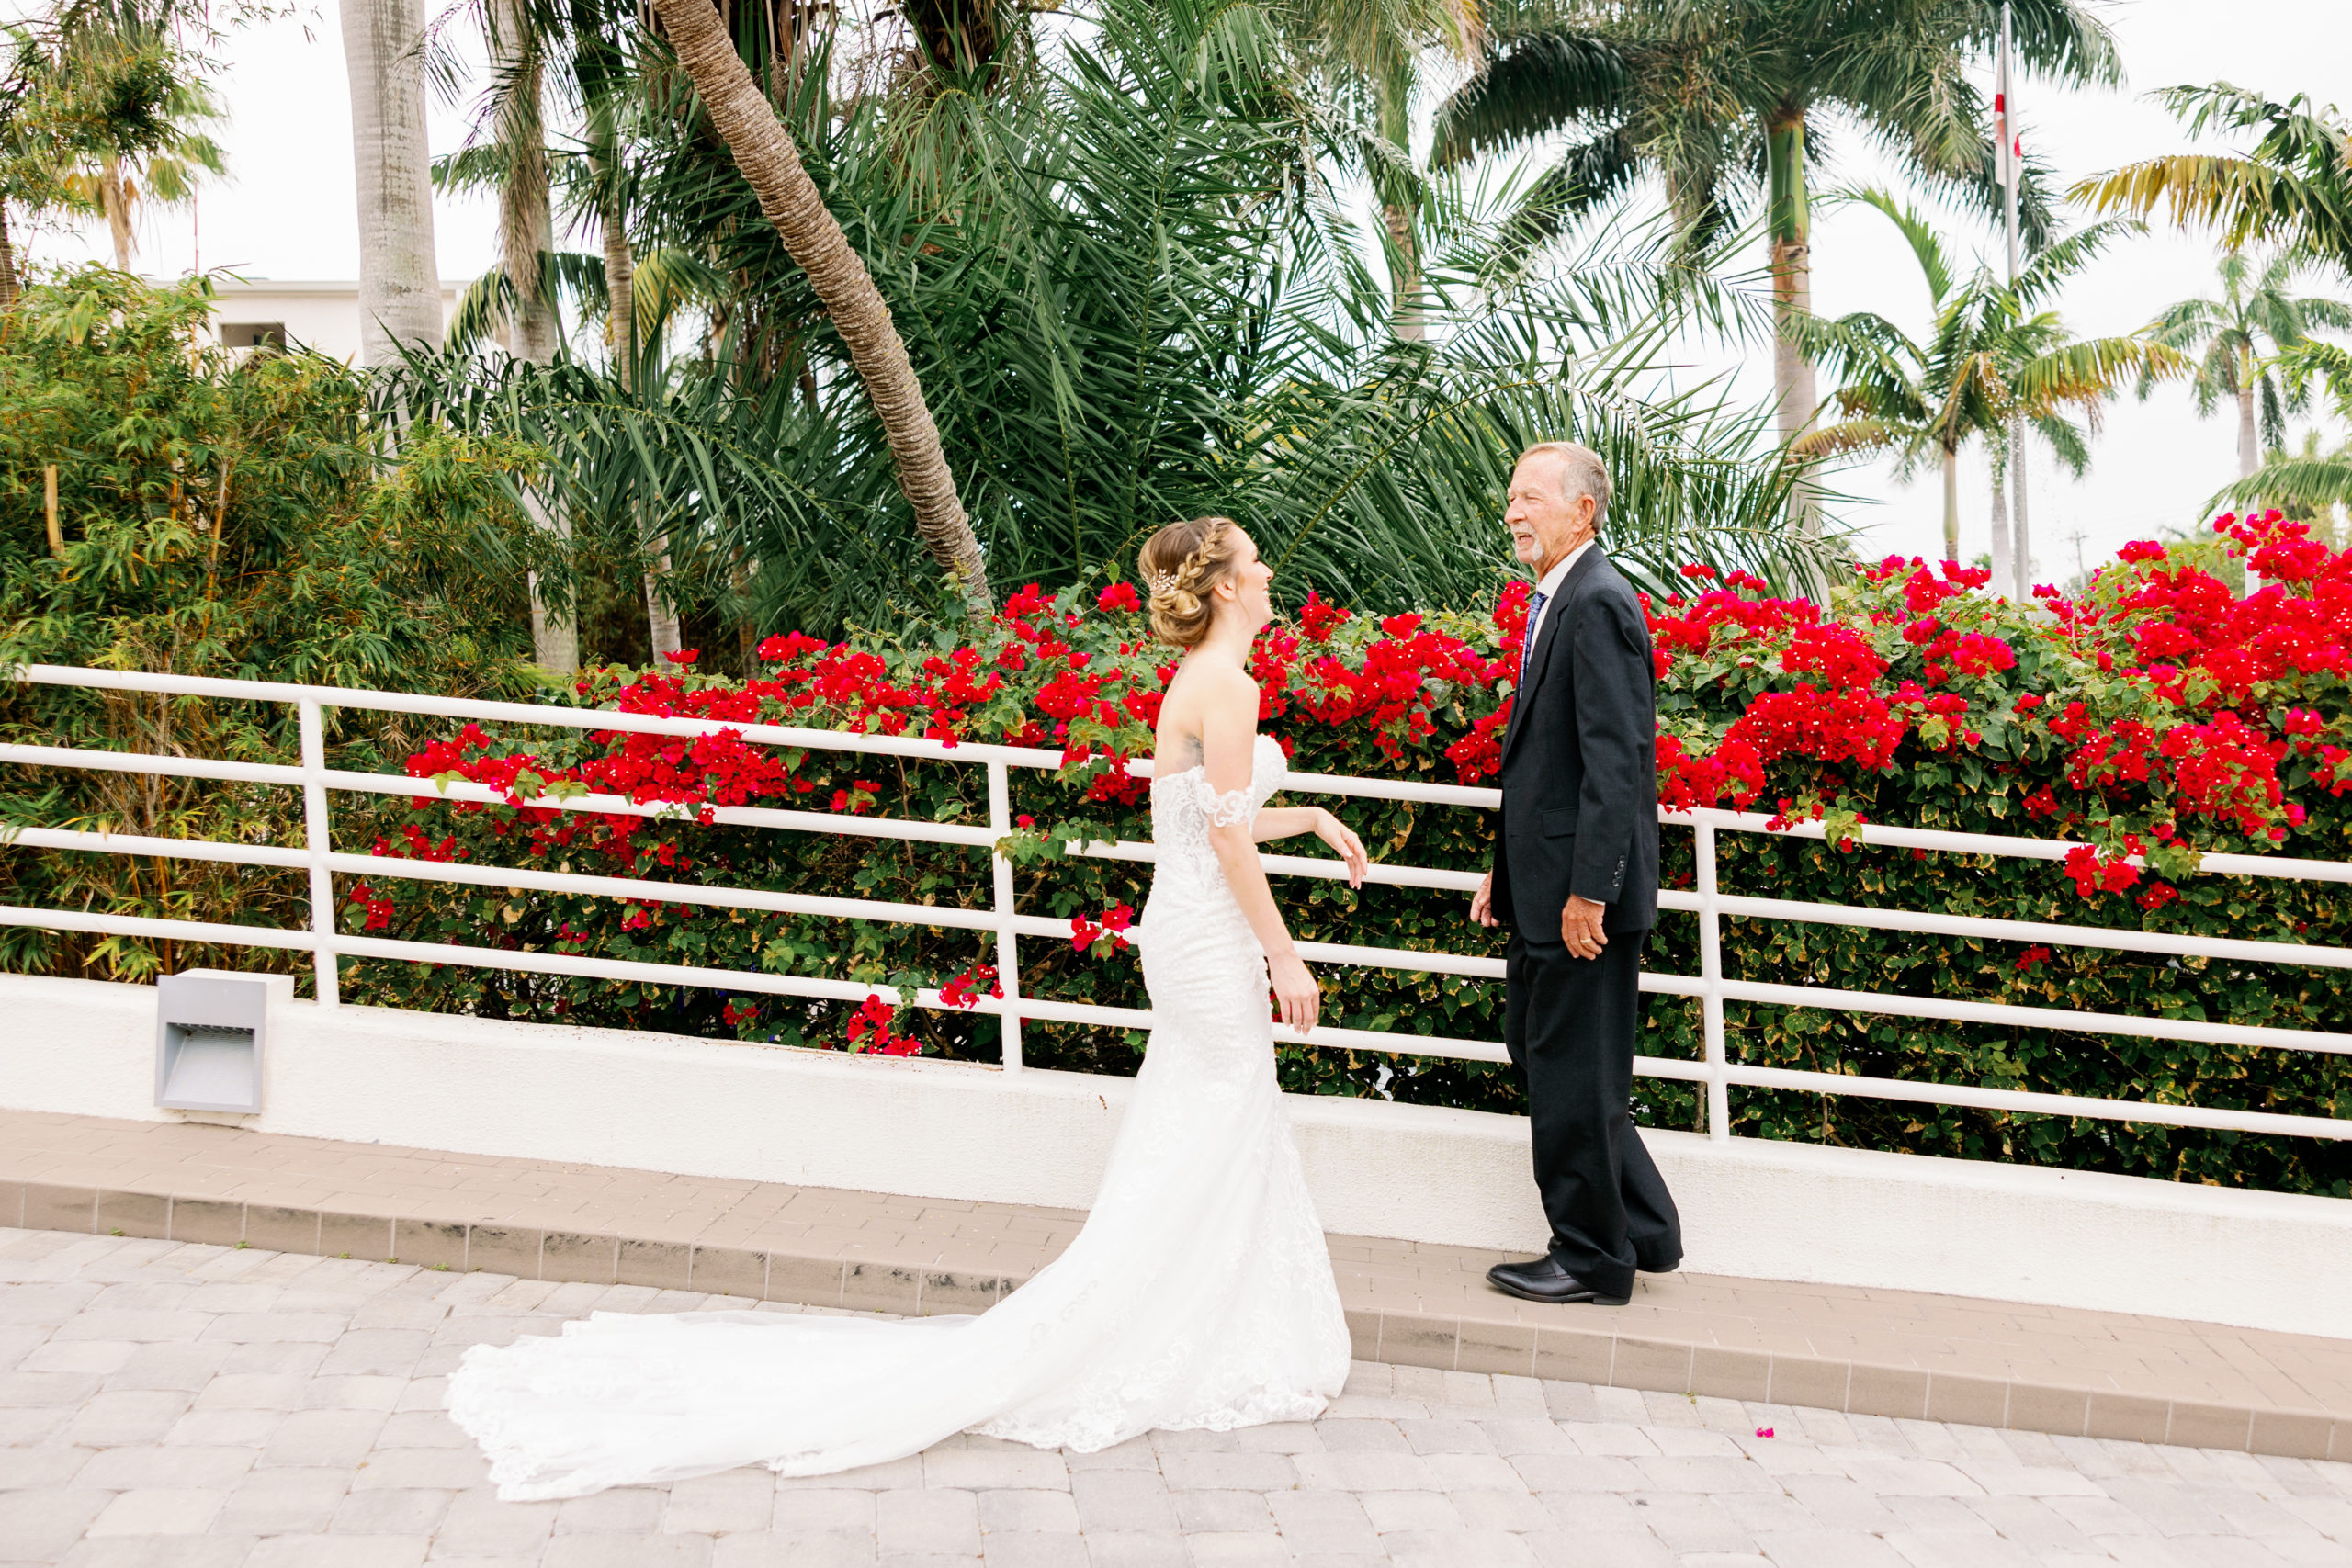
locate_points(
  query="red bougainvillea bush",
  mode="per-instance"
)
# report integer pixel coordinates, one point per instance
(2164, 713)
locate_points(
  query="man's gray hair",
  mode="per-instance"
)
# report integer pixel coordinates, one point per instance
(1581, 471)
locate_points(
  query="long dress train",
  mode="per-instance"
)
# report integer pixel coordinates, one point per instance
(1199, 1295)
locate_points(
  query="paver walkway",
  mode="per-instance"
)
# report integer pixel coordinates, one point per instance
(1873, 1352)
(167, 1404)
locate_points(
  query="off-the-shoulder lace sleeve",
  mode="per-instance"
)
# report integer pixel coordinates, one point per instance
(1223, 810)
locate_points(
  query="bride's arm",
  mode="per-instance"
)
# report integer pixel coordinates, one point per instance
(1229, 755)
(1288, 821)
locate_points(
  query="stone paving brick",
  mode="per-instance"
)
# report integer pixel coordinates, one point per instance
(733, 1501)
(1481, 1508)
(1028, 1512)
(983, 1469)
(1125, 1549)
(214, 1468)
(134, 1416)
(157, 1511)
(1326, 1521)
(1242, 1550)
(628, 1551)
(1030, 1549)
(1579, 1549)
(291, 1448)
(1449, 1548)
(213, 1551)
(943, 1522)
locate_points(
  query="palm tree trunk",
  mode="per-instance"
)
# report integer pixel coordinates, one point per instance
(664, 631)
(1405, 321)
(2021, 583)
(116, 200)
(9, 288)
(400, 273)
(2249, 433)
(764, 151)
(1951, 505)
(526, 234)
(1791, 232)
(2001, 569)
(526, 224)
(1397, 207)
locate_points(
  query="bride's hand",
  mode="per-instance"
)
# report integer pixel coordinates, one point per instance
(1296, 996)
(1344, 842)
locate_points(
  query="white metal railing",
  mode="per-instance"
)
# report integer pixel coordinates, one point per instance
(1715, 1071)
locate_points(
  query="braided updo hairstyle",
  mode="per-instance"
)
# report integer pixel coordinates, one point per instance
(1181, 565)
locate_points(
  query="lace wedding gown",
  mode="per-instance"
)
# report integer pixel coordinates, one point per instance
(1199, 1295)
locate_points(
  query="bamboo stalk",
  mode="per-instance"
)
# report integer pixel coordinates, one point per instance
(48, 502)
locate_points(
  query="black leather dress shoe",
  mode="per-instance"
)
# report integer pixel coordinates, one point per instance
(1543, 1279)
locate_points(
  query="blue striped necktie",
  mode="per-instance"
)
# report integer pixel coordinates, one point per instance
(1534, 615)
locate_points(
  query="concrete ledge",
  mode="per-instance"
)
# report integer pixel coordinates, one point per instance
(1426, 1176)
(1574, 1344)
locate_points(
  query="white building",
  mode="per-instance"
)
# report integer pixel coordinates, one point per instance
(319, 314)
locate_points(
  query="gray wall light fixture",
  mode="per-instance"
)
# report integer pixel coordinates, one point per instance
(210, 1027)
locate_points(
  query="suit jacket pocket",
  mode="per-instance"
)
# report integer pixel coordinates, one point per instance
(1559, 822)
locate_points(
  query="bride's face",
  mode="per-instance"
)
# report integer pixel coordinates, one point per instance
(1246, 589)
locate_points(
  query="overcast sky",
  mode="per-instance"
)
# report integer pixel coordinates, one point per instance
(286, 212)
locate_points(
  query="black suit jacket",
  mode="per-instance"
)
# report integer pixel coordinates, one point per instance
(1580, 771)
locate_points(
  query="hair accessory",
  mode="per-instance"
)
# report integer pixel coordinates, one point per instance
(1160, 582)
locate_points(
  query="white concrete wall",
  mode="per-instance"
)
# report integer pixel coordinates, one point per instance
(321, 315)
(1767, 1210)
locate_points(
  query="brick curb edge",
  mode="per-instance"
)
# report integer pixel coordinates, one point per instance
(1596, 1356)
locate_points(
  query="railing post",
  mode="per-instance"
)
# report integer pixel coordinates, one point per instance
(1711, 976)
(1008, 945)
(314, 831)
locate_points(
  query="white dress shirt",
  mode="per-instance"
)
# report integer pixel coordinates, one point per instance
(1550, 587)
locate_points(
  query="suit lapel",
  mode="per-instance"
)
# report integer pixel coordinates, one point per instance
(1555, 614)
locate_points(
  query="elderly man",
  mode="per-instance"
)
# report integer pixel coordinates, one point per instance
(1576, 879)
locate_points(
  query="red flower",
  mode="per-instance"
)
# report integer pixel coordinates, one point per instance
(1119, 596)
(684, 656)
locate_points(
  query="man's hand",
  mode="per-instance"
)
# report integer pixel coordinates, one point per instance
(1481, 903)
(1581, 927)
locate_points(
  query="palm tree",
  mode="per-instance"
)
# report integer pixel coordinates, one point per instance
(1716, 98)
(34, 160)
(400, 270)
(1370, 53)
(1991, 355)
(2310, 483)
(128, 112)
(2292, 189)
(2229, 335)
(764, 151)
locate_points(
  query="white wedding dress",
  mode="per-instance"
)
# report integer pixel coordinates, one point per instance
(1198, 1295)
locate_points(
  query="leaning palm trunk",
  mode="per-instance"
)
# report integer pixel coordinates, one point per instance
(770, 161)
(1795, 395)
(399, 276)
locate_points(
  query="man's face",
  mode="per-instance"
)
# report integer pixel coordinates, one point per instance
(1545, 524)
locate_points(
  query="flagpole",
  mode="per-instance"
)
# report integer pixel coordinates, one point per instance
(2010, 162)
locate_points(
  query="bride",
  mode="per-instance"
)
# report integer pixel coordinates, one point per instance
(1199, 1295)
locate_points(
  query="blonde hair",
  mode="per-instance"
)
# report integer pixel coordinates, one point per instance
(1582, 470)
(1181, 565)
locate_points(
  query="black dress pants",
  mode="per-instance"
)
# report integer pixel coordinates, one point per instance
(1570, 1024)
